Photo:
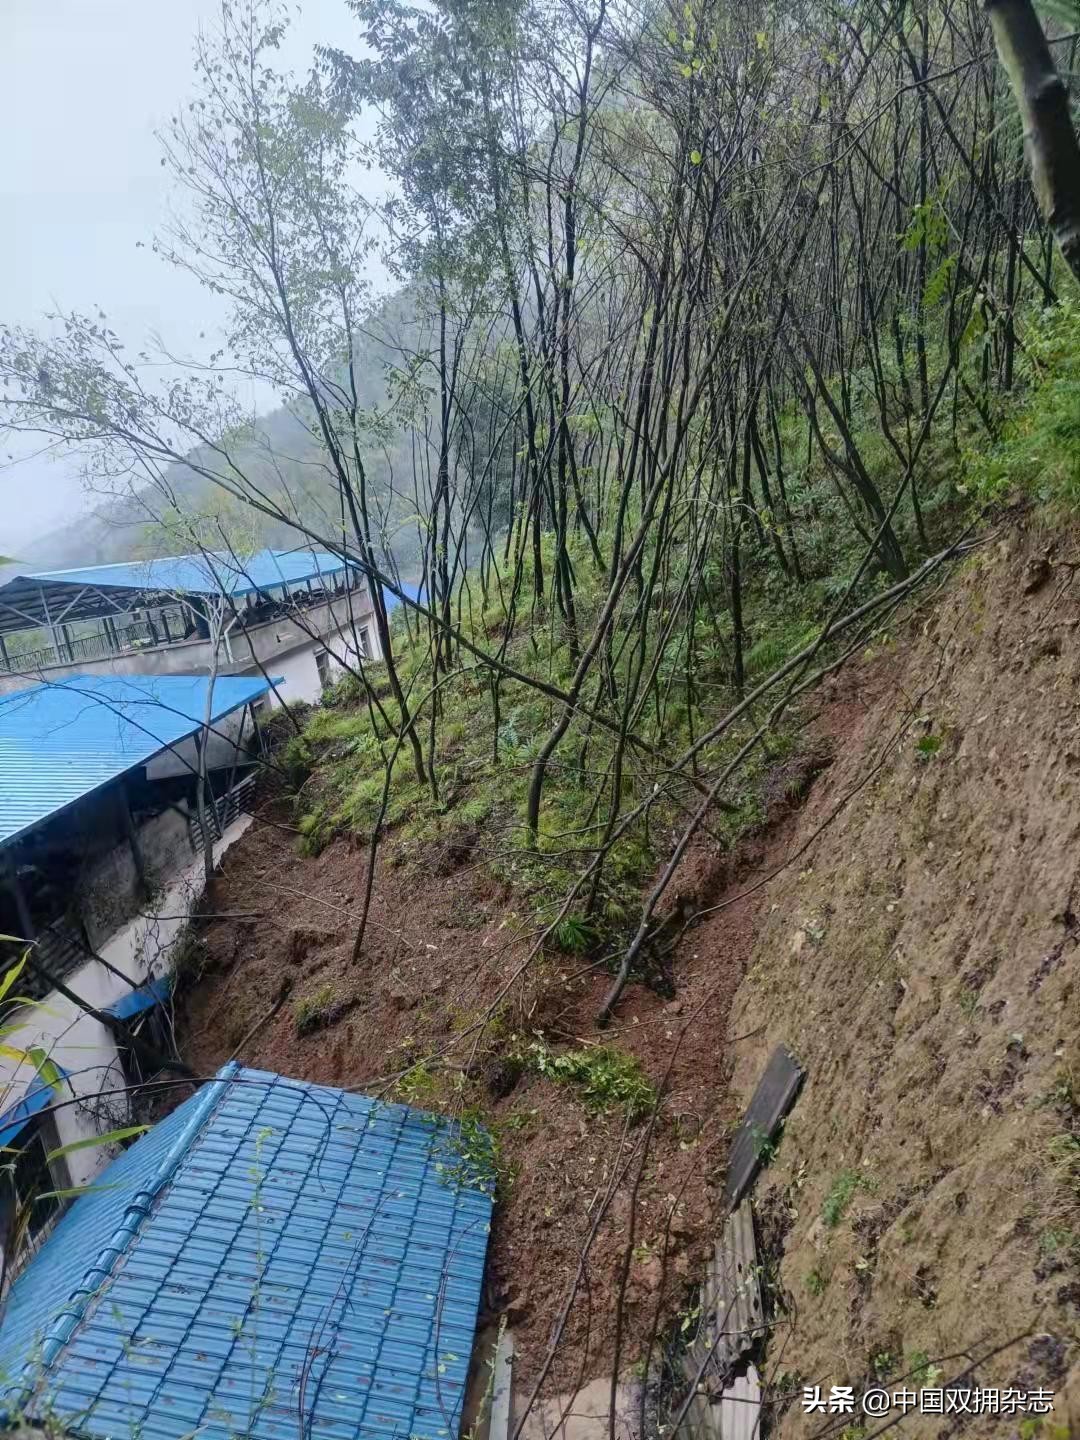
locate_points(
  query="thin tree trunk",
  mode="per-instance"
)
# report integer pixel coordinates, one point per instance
(1053, 153)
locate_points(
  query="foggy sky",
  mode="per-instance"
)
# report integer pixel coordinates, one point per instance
(84, 84)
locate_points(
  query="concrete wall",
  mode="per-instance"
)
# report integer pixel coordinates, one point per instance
(139, 949)
(107, 887)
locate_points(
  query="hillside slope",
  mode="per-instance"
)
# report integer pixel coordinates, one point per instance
(921, 958)
(910, 932)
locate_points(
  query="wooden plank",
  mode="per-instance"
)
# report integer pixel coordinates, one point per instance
(773, 1098)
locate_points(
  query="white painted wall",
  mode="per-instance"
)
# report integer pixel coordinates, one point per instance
(182, 758)
(299, 672)
(82, 1046)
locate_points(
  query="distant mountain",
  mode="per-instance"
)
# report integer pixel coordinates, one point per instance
(281, 456)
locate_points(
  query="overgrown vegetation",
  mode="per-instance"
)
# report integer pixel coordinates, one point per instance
(605, 1076)
(711, 326)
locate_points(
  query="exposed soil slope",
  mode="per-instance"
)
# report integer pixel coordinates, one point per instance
(443, 942)
(911, 933)
(921, 958)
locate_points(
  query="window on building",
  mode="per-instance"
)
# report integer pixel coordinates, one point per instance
(363, 641)
(322, 665)
(29, 1182)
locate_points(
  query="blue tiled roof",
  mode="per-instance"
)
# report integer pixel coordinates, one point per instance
(275, 1260)
(61, 740)
(199, 575)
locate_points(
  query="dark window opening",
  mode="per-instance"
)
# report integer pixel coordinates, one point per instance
(29, 1186)
(152, 1027)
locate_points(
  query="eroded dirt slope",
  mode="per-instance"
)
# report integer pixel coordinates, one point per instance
(918, 948)
(921, 958)
(444, 942)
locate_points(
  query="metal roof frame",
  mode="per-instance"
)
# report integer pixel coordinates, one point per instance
(48, 598)
(275, 1257)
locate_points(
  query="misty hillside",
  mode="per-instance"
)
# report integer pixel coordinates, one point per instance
(283, 457)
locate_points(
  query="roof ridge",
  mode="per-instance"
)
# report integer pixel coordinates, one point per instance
(94, 1276)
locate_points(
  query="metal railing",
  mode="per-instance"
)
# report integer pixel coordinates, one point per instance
(83, 647)
(224, 811)
(142, 633)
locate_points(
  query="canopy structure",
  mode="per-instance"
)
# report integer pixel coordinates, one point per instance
(15, 1118)
(63, 740)
(142, 998)
(50, 598)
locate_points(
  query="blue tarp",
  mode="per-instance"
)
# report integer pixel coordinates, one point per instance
(17, 1116)
(154, 992)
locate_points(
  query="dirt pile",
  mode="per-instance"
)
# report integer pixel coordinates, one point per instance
(921, 957)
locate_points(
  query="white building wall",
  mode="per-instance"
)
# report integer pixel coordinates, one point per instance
(140, 950)
(299, 671)
(299, 676)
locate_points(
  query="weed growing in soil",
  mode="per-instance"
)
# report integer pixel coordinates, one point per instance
(969, 1003)
(606, 1076)
(315, 1011)
(922, 1372)
(841, 1193)
(884, 1364)
(469, 1155)
(816, 1283)
(1057, 1243)
(574, 935)
(1065, 1161)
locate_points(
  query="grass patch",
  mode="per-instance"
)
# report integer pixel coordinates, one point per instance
(816, 1283)
(606, 1077)
(317, 1010)
(841, 1193)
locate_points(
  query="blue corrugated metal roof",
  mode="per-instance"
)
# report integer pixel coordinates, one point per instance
(61, 740)
(275, 1260)
(200, 575)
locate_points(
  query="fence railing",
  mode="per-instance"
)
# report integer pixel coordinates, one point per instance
(83, 647)
(222, 812)
(142, 633)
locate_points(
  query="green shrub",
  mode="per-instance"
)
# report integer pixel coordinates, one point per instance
(841, 1193)
(1039, 448)
(606, 1077)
